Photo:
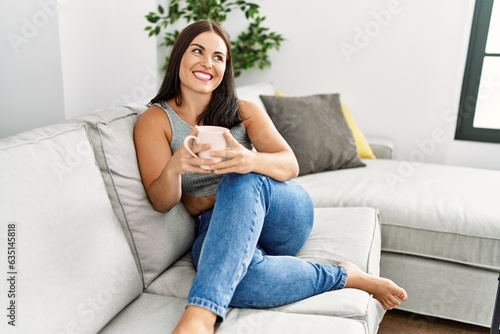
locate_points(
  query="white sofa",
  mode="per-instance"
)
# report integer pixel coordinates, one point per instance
(91, 255)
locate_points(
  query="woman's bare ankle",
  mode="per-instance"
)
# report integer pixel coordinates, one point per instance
(196, 320)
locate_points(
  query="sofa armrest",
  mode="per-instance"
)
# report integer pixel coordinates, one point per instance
(381, 147)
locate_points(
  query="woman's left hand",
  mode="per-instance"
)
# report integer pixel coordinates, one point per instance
(236, 158)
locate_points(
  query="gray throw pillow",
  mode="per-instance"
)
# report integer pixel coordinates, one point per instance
(315, 128)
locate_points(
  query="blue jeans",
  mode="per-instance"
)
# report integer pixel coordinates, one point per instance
(244, 251)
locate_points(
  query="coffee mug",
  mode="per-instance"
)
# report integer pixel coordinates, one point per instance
(207, 134)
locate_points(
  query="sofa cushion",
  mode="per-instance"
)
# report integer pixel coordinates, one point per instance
(436, 211)
(176, 280)
(148, 314)
(157, 239)
(272, 322)
(74, 268)
(154, 314)
(338, 234)
(315, 128)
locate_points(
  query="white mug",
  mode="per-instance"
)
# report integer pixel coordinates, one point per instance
(208, 134)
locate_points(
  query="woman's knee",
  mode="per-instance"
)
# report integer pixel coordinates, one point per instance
(298, 204)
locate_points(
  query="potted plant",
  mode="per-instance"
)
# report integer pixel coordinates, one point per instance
(250, 48)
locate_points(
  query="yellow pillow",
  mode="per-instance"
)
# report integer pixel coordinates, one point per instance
(364, 149)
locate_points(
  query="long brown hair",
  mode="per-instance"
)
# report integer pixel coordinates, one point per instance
(222, 109)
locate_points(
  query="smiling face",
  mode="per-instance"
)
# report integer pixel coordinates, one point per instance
(203, 64)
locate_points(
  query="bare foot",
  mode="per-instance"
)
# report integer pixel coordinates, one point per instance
(196, 320)
(384, 290)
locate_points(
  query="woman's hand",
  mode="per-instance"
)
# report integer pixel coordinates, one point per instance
(183, 162)
(236, 158)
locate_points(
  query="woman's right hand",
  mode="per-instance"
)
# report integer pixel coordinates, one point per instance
(183, 162)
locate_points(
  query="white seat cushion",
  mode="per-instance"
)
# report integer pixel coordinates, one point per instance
(154, 314)
(271, 322)
(338, 234)
(436, 211)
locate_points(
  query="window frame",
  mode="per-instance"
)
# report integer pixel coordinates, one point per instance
(465, 129)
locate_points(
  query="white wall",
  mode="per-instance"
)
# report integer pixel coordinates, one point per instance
(403, 84)
(107, 58)
(400, 73)
(64, 58)
(31, 87)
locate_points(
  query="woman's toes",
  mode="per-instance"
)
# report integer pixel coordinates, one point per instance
(388, 302)
(387, 306)
(403, 295)
(395, 301)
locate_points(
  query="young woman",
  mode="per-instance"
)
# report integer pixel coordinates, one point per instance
(251, 218)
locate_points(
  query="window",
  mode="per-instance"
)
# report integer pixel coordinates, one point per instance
(479, 111)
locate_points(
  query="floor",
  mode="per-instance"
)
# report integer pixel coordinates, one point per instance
(400, 322)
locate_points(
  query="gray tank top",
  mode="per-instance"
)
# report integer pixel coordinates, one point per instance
(195, 184)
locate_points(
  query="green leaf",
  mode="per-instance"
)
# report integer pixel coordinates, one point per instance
(250, 49)
(153, 19)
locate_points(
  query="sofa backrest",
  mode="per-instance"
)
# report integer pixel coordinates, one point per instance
(156, 239)
(71, 270)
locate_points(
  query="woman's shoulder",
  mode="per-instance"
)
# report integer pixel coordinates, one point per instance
(245, 104)
(153, 118)
(153, 113)
(153, 110)
(248, 109)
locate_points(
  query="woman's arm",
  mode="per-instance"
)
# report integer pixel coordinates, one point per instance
(162, 185)
(160, 170)
(273, 158)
